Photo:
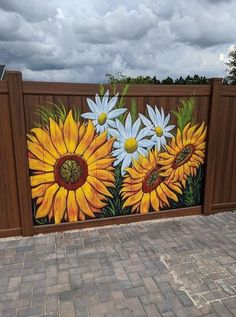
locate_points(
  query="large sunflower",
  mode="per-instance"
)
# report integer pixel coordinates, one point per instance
(71, 167)
(143, 186)
(184, 154)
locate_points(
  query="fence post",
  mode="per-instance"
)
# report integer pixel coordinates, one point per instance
(20, 149)
(216, 87)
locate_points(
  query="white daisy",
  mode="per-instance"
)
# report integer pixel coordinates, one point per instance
(102, 114)
(130, 142)
(159, 126)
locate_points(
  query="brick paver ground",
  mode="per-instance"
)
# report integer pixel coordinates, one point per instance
(179, 267)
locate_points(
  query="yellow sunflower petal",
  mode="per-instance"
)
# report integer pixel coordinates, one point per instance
(166, 161)
(103, 175)
(197, 158)
(161, 194)
(201, 146)
(145, 163)
(199, 153)
(152, 158)
(199, 131)
(39, 200)
(175, 188)
(165, 155)
(131, 181)
(97, 142)
(98, 185)
(133, 174)
(133, 187)
(154, 201)
(92, 197)
(81, 131)
(83, 203)
(101, 164)
(71, 133)
(171, 150)
(32, 138)
(168, 192)
(202, 137)
(38, 165)
(57, 137)
(60, 204)
(187, 169)
(40, 153)
(46, 142)
(138, 167)
(81, 215)
(145, 203)
(87, 138)
(44, 208)
(184, 135)
(178, 139)
(190, 134)
(135, 207)
(133, 199)
(39, 190)
(72, 207)
(101, 152)
(181, 171)
(41, 179)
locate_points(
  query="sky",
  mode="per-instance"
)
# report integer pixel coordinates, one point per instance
(82, 40)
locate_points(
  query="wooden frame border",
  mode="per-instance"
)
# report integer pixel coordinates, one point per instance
(191, 211)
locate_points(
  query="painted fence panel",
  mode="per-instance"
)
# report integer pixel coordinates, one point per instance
(151, 163)
(109, 155)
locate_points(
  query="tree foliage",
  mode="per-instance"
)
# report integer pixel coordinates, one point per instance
(231, 68)
(119, 78)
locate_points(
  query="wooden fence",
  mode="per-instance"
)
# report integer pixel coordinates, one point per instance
(216, 105)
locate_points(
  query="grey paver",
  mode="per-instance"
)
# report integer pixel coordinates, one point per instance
(183, 267)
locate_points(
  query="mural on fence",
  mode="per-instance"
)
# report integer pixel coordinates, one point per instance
(112, 161)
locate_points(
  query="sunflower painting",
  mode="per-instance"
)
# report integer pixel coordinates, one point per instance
(113, 161)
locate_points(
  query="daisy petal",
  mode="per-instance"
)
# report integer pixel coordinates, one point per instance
(93, 107)
(126, 163)
(170, 127)
(167, 119)
(128, 126)
(152, 115)
(143, 133)
(146, 143)
(112, 102)
(136, 127)
(121, 129)
(142, 151)
(145, 121)
(116, 113)
(89, 115)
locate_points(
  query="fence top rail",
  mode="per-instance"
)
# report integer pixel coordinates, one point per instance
(49, 88)
(3, 87)
(228, 91)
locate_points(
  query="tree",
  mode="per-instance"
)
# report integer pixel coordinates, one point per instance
(231, 67)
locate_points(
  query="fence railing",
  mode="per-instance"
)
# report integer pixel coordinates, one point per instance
(19, 102)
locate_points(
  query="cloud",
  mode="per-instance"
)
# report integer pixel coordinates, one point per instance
(83, 40)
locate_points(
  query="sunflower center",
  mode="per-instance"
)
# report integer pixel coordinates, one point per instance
(102, 118)
(71, 171)
(152, 180)
(183, 156)
(131, 145)
(159, 131)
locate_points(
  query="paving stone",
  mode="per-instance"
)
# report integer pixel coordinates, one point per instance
(178, 267)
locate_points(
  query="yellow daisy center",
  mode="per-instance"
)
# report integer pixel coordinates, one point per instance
(102, 118)
(131, 145)
(159, 131)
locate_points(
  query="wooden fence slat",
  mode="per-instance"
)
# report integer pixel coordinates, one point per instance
(216, 84)
(20, 150)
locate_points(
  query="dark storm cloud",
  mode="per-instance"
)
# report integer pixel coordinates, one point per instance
(83, 40)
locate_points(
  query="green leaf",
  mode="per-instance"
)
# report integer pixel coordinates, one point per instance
(101, 90)
(133, 109)
(184, 113)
